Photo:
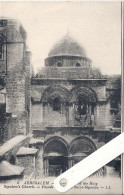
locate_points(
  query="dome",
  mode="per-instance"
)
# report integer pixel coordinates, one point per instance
(67, 46)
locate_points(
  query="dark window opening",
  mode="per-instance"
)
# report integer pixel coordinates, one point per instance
(113, 107)
(92, 110)
(56, 104)
(59, 64)
(114, 104)
(57, 165)
(78, 65)
(82, 107)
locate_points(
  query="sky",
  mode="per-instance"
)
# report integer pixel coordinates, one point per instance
(95, 25)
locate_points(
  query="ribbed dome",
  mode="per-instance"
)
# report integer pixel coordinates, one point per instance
(67, 46)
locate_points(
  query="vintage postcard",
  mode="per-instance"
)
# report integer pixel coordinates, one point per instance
(61, 70)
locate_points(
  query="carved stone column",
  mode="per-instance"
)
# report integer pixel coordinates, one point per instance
(89, 109)
(71, 114)
(67, 114)
(70, 162)
(46, 167)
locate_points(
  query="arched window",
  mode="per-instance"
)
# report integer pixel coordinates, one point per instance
(57, 104)
(78, 65)
(59, 64)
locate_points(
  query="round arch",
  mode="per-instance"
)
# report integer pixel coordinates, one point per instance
(51, 92)
(78, 64)
(82, 145)
(87, 92)
(56, 145)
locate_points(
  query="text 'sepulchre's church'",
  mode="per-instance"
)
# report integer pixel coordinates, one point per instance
(52, 120)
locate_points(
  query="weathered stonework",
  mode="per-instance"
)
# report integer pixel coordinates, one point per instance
(16, 75)
(69, 79)
(69, 107)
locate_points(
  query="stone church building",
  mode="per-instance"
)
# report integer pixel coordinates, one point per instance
(52, 120)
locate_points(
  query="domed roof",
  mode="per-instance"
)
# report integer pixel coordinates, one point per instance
(67, 46)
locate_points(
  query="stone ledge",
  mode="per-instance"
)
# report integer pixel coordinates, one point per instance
(116, 129)
(35, 141)
(23, 151)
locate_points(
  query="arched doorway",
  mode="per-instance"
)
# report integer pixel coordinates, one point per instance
(55, 156)
(80, 148)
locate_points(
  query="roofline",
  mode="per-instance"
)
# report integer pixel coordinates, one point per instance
(68, 55)
(64, 79)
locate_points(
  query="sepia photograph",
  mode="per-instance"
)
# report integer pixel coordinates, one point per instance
(61, 72)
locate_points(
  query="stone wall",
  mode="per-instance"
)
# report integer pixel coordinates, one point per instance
(15, 84)
(36, 114)
(53, 118)
(67, 61)
(101, 92)
(64, 72)
(69, 73)
(28, 162)
(39, 169)
(17, 66)
(103, 116)
(44, 114)
(27, 70)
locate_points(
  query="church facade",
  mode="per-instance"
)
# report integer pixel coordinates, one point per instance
(57, 117)
(73, 107)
